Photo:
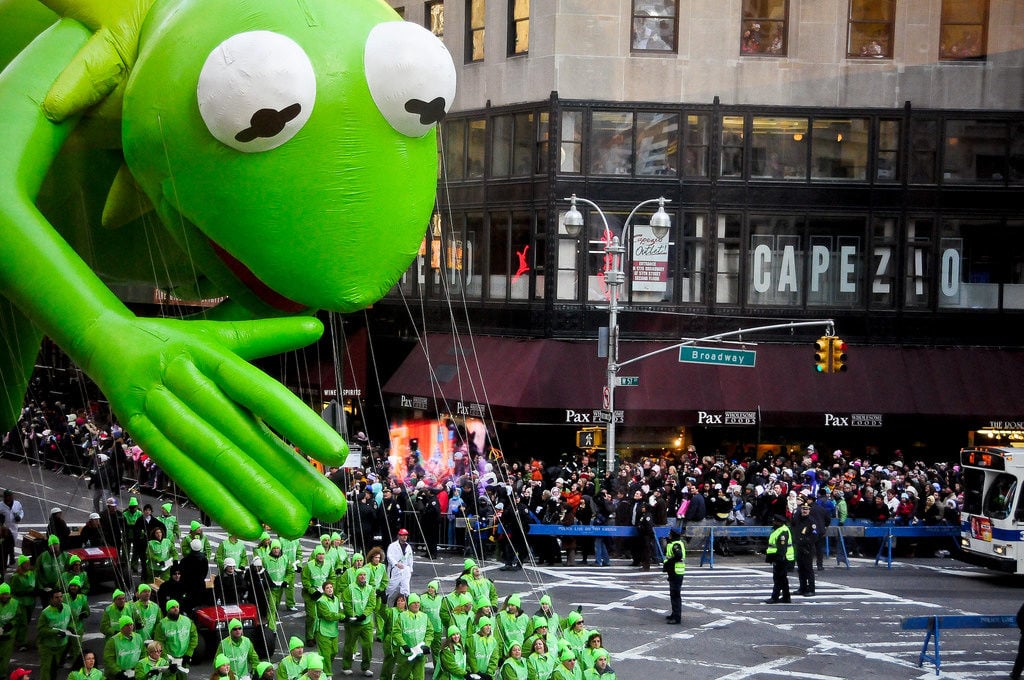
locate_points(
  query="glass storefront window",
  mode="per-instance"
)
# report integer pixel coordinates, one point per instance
(1016, 163)
(918, 268)
(980, 264)
(522, 256)
(522, 144)
(498, 256)
(501, 146)
(475, 149)
(778, 149)
(542, 143)
(839, 148)
(691, 265)
(454, 139)
(887, 164)
(611, 143)
(727, 259)
(974, 151)
(732, 147)
(511, 145)
(698, 138)
(472, 255)
(567, 260)
(924, 134)
(883, 263)
(571, 140)
(539, 256)
(657, 144)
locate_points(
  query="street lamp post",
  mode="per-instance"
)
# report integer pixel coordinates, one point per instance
(614, 278)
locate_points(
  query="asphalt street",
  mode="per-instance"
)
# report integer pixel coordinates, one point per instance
(849, 629)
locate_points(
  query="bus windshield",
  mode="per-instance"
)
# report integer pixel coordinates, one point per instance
(999, 497)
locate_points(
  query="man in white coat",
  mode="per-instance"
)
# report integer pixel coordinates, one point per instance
(399, 567)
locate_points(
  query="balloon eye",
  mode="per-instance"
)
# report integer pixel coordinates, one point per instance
(411, 76)
(256, 90)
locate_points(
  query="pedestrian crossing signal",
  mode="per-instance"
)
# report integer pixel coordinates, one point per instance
(590, 438)
(821, 354)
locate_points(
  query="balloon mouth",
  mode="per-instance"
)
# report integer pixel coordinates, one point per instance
(254, 284)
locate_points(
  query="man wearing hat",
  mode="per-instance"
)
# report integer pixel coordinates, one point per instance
(315, 572)
(239, 650)
(781, 555)
(430, 604)
(23, 590)
(511, 622)
(57, 526)
(601, 670)
(805, 535)
(79, 604)
(145, 612)
(358, 601)
(416, 634)
(123, 651)
(52, 635)
(565, 669)
(179, 636)
(482, 652)
(131, 516)
(314, 668)
(51, 568)
(170, 522)
(400, 563)
(91, 534)
(265, 671)
(196, 533)
(8, 619)
(229, 584)
(329, 612)
(292, 666)
(115, 611)
(292, 550)
(675, 567)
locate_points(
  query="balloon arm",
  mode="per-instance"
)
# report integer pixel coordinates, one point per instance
(184, 389)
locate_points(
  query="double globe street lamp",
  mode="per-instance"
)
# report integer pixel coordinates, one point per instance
(614, 278)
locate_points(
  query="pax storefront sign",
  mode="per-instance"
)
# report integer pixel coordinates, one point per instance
(853, 420)
(420, 403)
(596, 416)
(727, 418)
(470, 409)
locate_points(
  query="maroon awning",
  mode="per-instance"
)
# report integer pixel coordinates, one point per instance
(541, 380)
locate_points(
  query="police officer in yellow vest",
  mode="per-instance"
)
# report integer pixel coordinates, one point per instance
(675, 566)
(781, 555)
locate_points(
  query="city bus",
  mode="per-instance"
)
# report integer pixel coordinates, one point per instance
(992, 517)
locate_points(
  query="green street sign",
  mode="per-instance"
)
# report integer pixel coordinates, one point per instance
(629, 380)
(717, 356)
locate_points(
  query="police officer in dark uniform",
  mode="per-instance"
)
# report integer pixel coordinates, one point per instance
(805, 533)
(781, 555)
(675, 566)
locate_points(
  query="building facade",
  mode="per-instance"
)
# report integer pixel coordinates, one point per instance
(855, 161)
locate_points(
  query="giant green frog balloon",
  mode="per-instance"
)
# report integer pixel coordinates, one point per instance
(288, 149)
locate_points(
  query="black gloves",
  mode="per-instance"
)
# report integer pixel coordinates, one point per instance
(380, 594)
(406, 649)
(186, 661)
(153, 672)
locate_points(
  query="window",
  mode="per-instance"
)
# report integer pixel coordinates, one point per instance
(963, 30)
(839, 149)
(476, 148)
(883, 262)
(980, 264)
(475, 11)
(924, 144)
(1000, 495)
(887, 164)
(571, 152)
(698, 135)
(974, 151)
(692, 267)
(611, 143)
(657, 144)
(542, 143)
(870, 29)
(433, 17)
(764, 27)
(918, 267)
(654, 26)
(732, 147)
(727, 259)
(518, 27)
(454, 139)
(511, 145)
(568, 261)
(778, 148)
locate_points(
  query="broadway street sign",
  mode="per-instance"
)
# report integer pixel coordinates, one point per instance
(717, 356)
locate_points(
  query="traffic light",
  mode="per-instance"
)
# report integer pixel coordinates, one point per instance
(821, 354)
(837, 361)
(590, 438)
